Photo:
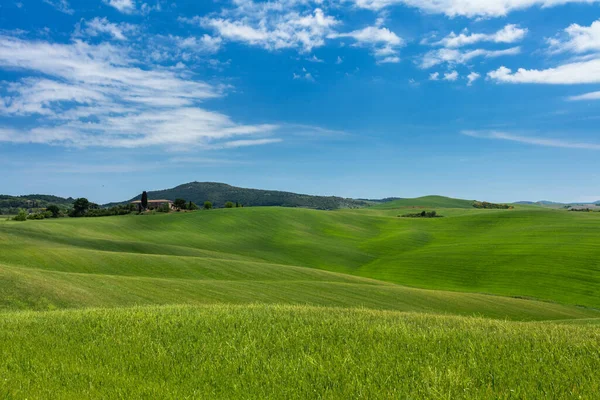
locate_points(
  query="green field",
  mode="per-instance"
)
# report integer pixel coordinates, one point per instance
(275, 302)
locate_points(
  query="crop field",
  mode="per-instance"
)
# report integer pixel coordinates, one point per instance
(295, 303)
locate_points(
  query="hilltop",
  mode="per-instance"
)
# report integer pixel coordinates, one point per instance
(427, 201)
(220, 193)
(12, 204)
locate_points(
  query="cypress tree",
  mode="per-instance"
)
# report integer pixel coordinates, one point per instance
(144, 200)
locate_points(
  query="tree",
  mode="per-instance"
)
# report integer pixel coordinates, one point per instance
(144, 200)
(237, 205)
(207, 205)
(54, 210)
(229, 204)
(192, 206)
(21, 216)
(179, 204)
(80, 207)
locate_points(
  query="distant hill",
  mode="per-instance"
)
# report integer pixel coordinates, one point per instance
(12, 204)
(220, 193)
(427, 202)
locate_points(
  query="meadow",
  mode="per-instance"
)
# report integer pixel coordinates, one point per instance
(271, 302)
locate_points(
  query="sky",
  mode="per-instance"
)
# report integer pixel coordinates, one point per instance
(495, 100)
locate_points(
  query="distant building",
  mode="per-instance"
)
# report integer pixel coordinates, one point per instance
(154, 203)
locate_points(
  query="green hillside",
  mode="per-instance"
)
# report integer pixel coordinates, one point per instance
(426, 202)
(220, 193)
(543, 254)
(273, 302)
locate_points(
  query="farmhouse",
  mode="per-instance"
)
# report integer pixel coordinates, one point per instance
(154, 203)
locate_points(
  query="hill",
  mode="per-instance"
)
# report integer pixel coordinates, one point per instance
(427, 202)
(220, 193)
(271, 302)
(12, 204)
(485, 251)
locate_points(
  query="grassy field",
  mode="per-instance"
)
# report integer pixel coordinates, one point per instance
(291, 352)
(296, 303)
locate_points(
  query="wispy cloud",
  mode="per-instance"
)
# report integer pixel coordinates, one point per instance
(509, 34)
(586, 96)
(111, 101)
(536, 141)
(455, 56)
(61, 5)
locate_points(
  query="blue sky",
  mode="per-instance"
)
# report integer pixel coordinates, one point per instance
(494, 100)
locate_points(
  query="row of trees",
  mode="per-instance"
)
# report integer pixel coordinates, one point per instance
(422, 214)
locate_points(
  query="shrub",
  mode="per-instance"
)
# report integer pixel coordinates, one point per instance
(422, 214)
(53, 210)
(192, 206)
(229, 204)
(179, 204)
(208, 205)
(21, 216)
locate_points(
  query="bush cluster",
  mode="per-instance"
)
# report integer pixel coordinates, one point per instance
(422, 214)
(486, 205)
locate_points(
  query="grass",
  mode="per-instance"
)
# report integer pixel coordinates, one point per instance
(290, 352)
(295, 303)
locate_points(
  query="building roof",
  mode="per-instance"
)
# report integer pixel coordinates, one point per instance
(152, 201)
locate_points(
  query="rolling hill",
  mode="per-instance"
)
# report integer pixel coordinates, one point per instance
(427, 202)
(220, 193)
(291, 302)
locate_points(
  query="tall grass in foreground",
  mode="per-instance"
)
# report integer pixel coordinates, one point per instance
(290, 352)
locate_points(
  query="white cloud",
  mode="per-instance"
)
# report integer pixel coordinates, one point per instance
(468, 8)
(389, 60)
(315, 59)
(434, 76)
(383, 42)
(269, 27)
(472, 77)
(95, 95)
(509, 34)
(586, 96)
(537, 141)
(124, 6)
(204, 43)
(60, 5)
(99, 26)
(305, 75)
(339, 60)
(577, 39)
(454, 56)
(451, 76)
(249, 142)
(566, 74)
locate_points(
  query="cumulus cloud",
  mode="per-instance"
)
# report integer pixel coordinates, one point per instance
(472, 77)
(271, 29)
(434, 76)
(537, 141)
(383, 42)
(451, 76)
(577, 39)
(124, 6)
(95, 95)
(454, 56)
(468, 8)
(509, 34)
(565, 74)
